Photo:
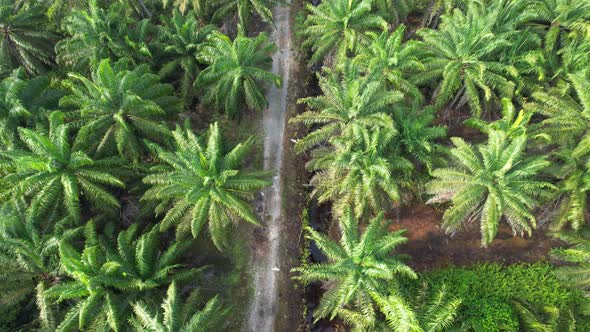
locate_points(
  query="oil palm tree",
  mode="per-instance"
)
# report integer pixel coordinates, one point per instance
(179, 316)
(244, 9)
(577, 256)
(236, 72)
(359, 172)
(417, 137)
(547, 319)
(25, 103)
(348, 100)
(98, 33)
(491, 182)
(26, 41)
(360, 267)
(183, 38)
(424, 312)
(393, 59)
(337, 27)
(56, 177)
(30, 261)
(394, 11)
(117, 108)
(109, 275)
(201, 8)
(202, 183)
(462, 55)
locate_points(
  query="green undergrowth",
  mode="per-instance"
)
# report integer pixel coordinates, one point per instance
(487, 290)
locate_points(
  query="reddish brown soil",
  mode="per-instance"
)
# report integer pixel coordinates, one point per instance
(430, 248)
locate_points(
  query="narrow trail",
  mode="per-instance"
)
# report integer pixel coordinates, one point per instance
(266, 264)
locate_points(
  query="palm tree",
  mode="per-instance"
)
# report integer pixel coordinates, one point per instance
(360, 173)
(29, 260)
(108, 275)
(183, 39)
(337, 27)
(394, 11)
(54, 176)
(577, 256)
(25, 103)
(198, 184)
(559, 18)
(236, 71)
(245, 9)
(393, 59)
(25, 40)
(548, 319)
(462, 54)
(424, 312)
(179, 316)
(201, 8)
(567, 117)
(492, 181)
(348, 100)
(97, 33)
(119, 107)
(417, 136)
(361, 267)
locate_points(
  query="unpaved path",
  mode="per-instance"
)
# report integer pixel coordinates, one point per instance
(266, 264)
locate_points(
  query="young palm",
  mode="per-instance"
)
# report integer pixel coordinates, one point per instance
(394, 11)
(549, 319)
(202, 183)
(179, 316)
(462, 54)
(118, 108)
(56, 177)
(348, 100)
(98, 33)
(236, 72)
(25, 103)
(244, 9)
(417, 136)
(29, 260)
(393, 59)
(424, 312)
(26, 41)
(337, 27)
(361, 267)
(108, 275)
(577, 256)
(183, 38)
(359, 172)
(493, 181)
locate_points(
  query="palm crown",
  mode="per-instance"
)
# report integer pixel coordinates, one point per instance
(198, 184)
(55, 177)
(463, 52)
(119, 107)
(389, 56)
(97, 33)
(25, 40)
(30, 261)
(360, 172)
(348, 100)
(106, 278)
(236, 69)
(340, 26)
(25, 103)
(244, 9)
(183, 39)
(179, 316)
(493, 181)
(361, 266)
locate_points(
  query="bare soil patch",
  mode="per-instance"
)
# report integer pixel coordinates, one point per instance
(430, 248)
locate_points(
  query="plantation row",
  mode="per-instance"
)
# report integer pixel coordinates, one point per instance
(481, 108)
(106, 183)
